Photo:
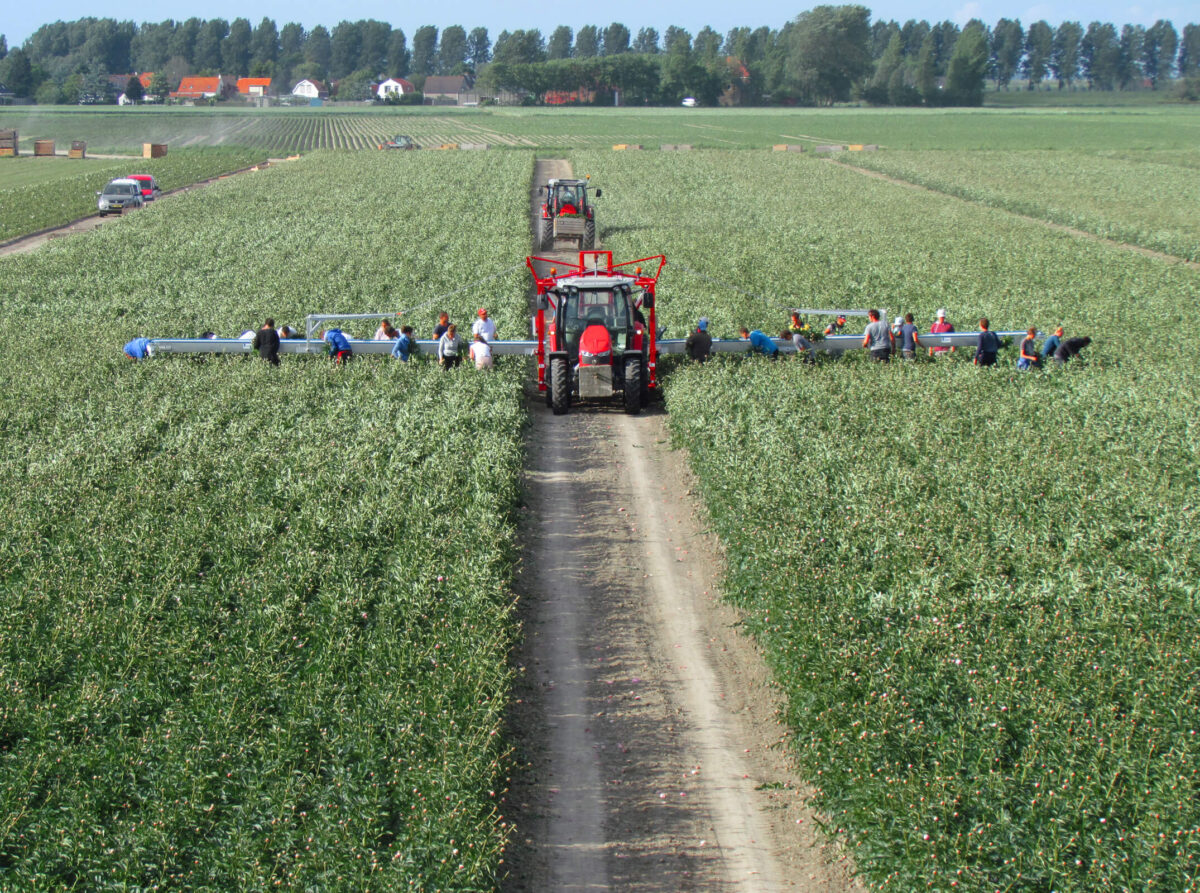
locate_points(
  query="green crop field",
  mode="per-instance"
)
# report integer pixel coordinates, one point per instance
(977, 587)
(51, 191)
(1146, 200)
(292, 130)
(254, 622)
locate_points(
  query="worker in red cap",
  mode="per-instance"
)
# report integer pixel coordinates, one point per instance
(483, 326)
(835, 328)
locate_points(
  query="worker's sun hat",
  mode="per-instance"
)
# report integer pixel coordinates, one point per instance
(703, 323)
(481, 312)
(941, 312)
(898, 321)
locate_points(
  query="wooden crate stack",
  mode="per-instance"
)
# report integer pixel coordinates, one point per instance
(78, 149)
(43, 148)
(8, 143)
(154, 150)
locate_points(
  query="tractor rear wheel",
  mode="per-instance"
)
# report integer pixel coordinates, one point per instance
(589, 235)
(560, 386)
(633, 385)
(546, 236)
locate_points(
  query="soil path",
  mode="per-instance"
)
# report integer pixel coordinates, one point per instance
(1048, 224)
(646, 726)
(30, 241)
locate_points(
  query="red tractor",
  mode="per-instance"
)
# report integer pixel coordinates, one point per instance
(567, 214)
(593, 340)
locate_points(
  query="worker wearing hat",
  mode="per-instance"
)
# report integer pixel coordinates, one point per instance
(940, 326)
(699, 343)
(483, 326)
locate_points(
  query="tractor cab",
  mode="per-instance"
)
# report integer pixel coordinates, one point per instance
(567, 213)
(593, 339)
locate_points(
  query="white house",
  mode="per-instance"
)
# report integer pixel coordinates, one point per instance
(398, 86)
(310, 89)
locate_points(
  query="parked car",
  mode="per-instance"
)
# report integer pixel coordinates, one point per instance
(119, 195)
(150, 190)
(690, 102)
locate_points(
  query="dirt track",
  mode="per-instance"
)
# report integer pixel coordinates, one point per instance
(646, 724)
(30, 241)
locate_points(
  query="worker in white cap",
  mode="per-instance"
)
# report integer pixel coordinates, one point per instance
(940, 326)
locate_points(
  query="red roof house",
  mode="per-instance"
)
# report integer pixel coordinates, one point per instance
(202, 88)
(254, 86)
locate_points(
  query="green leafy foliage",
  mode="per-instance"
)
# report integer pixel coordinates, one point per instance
(1144, 199)
(976, 587)
(254, 622)
(72, 193)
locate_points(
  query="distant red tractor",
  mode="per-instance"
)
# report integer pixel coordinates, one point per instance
(596, 331)
(567, 213)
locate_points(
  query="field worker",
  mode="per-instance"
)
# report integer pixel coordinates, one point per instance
(940, 325)
(481, 352)
(443, 323)
(910, 339)
(878, 338)
(386, 331)
(1051, 344)
(1069, 348)
(266, 342)
(987, 346)
(1029, 357)
(835, 327)
(896, 324)
(760, 343)
(289, 332)
(247, 335)
(404, 344)
(138, 349)
(699, 343)
(448, 348)
(340, 350)
(484, 326)
(803, 345)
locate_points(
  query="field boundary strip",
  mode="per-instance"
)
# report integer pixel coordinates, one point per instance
(1041, 221)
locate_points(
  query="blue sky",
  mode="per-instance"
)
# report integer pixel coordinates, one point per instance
(20, 19)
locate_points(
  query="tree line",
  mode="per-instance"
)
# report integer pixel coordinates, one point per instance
(828, 54)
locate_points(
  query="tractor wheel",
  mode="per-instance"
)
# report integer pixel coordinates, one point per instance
(546, 236)
(589, 235)
(633, 385)
(560, 386)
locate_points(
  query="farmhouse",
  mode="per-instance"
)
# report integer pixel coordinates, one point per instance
(449, 90)
(394, 86)
(254, 87)
(218, 87)
(121, 81)
(310, 89)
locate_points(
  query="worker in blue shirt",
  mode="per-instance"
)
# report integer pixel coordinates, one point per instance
(1050, 345)
(339, 345)
(761, 343)
(404, 344)
(138, 349)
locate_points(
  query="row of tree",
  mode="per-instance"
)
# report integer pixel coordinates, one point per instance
(824, 55)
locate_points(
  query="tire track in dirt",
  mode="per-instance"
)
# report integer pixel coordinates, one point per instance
(645, 726)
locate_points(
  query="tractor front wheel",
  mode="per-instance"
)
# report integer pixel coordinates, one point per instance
(589, 235)
(633, 385)
(546, 236)
(560, 386)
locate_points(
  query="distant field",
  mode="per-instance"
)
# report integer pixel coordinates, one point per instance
(295, 130)
(30, 171)
(38, 193)
(1137, 198)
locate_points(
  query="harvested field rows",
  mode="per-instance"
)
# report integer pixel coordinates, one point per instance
(977, 587)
